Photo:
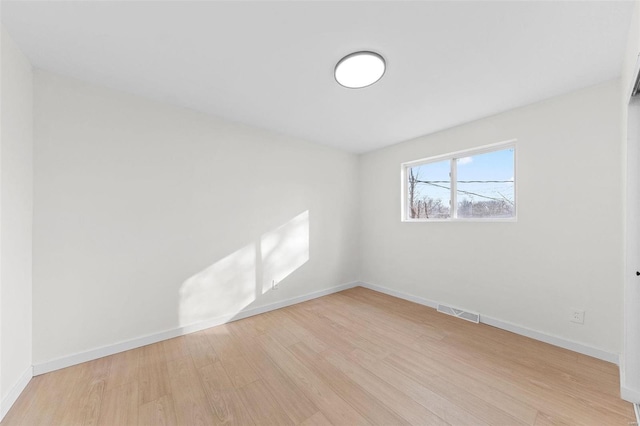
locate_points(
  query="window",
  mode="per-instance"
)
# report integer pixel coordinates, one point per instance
(470, 185)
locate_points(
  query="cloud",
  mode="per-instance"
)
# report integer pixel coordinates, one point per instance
(464, 160)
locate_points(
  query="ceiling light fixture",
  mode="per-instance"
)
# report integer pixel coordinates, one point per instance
(360, 69)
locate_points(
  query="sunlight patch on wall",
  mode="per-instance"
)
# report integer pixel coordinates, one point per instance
(236, 281)
(284, 250)
(225, 287)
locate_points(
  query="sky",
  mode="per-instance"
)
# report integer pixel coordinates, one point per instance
(492, 166)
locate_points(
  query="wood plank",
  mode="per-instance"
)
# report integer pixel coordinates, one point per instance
(399, 402)
(124, 369)
(318, 419)
(234, 363)
(320, 393)
(457, 376)
(189, 399)
(299, 331)
(175, 348)
(253, 326)
(371, 408)
(153, 375)
(544, 419)
(120, 405)
(322, 325)
(533, 377)
(38, 404)
(528, 350)
(450, 402)
(262, 406)
(449, 409)
(324, 333)
(226, 404)
(160, 412)
(399, 341)
(200, 348)
(86, 394)
(507, 382)
(355, 357)
(561, 370)
(299, 407)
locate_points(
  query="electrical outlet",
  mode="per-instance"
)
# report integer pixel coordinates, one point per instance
(576, 316)
(274, 284)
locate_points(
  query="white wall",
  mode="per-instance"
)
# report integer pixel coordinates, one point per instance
(149, 217)
(629, 362)
(16, 147)
(632, 51)
(565, 250)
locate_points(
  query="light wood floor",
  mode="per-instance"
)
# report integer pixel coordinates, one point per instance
(351, 358)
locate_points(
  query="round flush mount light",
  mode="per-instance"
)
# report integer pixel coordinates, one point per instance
(360, 69)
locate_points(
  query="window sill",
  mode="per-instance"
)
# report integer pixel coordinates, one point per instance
(475, 220)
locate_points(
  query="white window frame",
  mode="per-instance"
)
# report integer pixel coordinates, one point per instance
(452, 156)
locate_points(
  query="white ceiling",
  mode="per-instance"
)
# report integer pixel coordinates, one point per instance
(270, 64)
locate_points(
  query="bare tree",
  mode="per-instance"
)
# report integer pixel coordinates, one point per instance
(485, 208)
(433, 208)
(413, 181)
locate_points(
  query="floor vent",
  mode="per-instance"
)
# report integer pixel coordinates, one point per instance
(459, 313)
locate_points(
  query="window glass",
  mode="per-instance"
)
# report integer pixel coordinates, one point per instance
(482, 187)
(429, 191)
(485, 185)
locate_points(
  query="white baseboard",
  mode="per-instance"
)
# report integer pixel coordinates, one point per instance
(399, 294)
(630, 395)
(552, 340)
(90, 355)
(627, 393)
(103, 351)
(514, 328)
(7, 402)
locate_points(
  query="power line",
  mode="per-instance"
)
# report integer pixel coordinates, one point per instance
(464, 181)
(466, 192)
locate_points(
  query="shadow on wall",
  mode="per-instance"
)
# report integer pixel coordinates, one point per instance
(245, 276)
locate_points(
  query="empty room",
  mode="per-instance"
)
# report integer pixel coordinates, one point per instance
(319, 212)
